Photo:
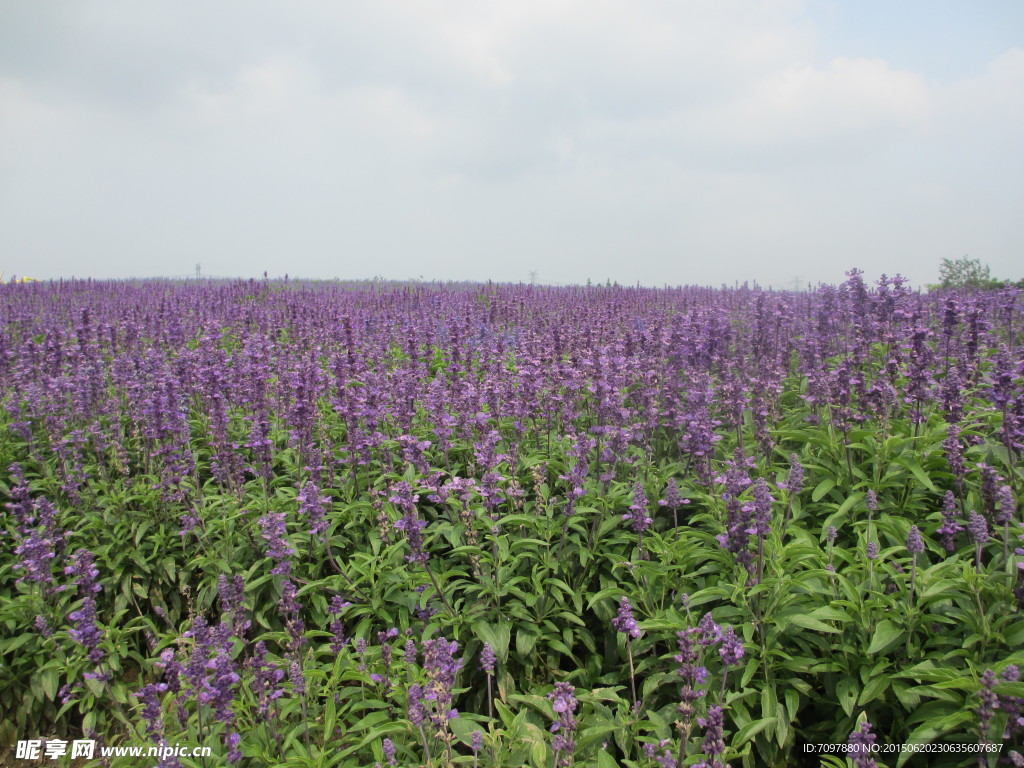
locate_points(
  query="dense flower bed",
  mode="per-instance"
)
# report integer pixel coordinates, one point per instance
(508, 525)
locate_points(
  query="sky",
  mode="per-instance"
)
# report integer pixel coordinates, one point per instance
(675, 142)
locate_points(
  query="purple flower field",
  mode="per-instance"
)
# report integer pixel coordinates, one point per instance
(320, 524)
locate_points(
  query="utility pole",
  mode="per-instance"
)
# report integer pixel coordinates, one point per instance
(197, 271)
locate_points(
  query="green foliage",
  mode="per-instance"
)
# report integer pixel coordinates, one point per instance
(831, 637)
(966, 273)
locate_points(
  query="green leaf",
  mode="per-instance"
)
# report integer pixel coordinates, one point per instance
(915, 468)
(846, 692)
(615, 592)
(822, 488)
(496, 635)
(850, 502)
(750, 730)
(50, 683)
(594, 733)
(1014, 634)
(828, 613)
(874, 688)
(604, 760)
(526, 639)
(805, 621)
(1010, 689)
(887, 635)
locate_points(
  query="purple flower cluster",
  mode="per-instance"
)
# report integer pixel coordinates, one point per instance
(266, 681)
(989, 704)
(690, 670)
(714, 737)
(563, 703)
(441, 667)
(313, 507)
(950, 523)
(273, 529)
(795, 483)
(232, 595)
(1012, 705)
(38, 536)
(861, 746)
(978, 527)
(638, 515)
(664, 758)
(732, 648)
(625, 622)
(915, 543)
(763, 501)
(413, 527)
(487, 659)
(85, 632)
(738, 523)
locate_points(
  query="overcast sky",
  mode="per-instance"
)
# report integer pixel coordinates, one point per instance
(684, 141)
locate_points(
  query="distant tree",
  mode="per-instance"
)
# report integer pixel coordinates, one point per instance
(966, 272)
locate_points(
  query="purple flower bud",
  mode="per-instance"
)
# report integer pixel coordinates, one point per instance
(950, 525)
(487, 659)
(795, 483)
(388, 747)
(978, 527)
(1007, 505)
(915, 544)
(42, 626)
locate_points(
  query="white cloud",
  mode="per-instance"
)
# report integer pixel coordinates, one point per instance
(657, 141)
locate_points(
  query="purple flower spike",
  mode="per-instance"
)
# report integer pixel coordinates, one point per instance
(639, 519)
(1007, 505)
(624, 621)
(563, 703)
(732, 648)
(709, 632)
(762, 509)
(978, 527)
(441, 666)
(85, 631)
(487, 659)
(714, 741)
(795, 484)
(388, 747)
(871, 501)
(274, 530)
(950, 525)
(915, 544)
(861, 746)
